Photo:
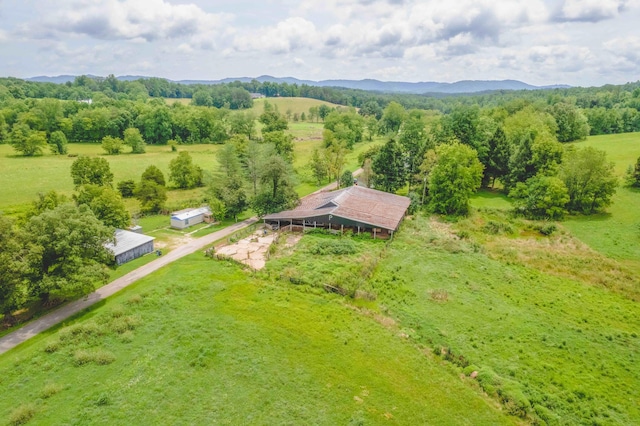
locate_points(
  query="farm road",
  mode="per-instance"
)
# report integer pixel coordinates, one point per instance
(31, 329)
(26, 332)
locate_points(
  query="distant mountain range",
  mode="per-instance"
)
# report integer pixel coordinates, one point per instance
(465, 86)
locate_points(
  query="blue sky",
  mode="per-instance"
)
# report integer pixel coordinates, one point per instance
(577, 42)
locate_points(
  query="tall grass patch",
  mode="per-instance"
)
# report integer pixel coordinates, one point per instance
(549, 345)
(217, 345)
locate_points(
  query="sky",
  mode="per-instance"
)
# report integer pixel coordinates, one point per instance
(576, 42)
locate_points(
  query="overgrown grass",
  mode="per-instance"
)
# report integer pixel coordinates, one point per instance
(203, 342)
(548, 347)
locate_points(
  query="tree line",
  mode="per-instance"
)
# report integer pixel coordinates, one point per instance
(608, 109)
(32, 125)
(444, 159)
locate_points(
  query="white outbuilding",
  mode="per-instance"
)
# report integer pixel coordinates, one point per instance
(188, 217)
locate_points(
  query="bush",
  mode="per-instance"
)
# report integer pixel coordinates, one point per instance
(22, 414)
(99, 357)
(52, 347)
(50, 389)
(546, 228)
(127, 188)
(495, 228)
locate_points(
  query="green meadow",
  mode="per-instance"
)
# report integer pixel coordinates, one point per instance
(203, 342)
(616, 232)
(295, 105)
(489, 319)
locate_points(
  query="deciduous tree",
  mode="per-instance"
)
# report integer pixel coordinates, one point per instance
(572, 124)
(319, 167)
(392, 117)
(58, 142)
(86, 170)
(541, 197)
(590, 179)
(66, 252)
(183, 173)
(154, 174)
(151, 196)
(12, 250)
(133, 138)
(456, 175)
(111, 145)
(26, 141)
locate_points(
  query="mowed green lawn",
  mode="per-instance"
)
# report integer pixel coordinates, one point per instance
(295, 105)
(615, 233)
(22, 178)
(202, 342)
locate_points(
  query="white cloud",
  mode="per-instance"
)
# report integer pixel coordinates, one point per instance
(627, 48)
(590, 10)
(135, 20)
(287, 36)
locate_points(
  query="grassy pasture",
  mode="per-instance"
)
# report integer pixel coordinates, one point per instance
(204, 343)
(23, 178)
(557, 348)
(296, 105)
(615, 233)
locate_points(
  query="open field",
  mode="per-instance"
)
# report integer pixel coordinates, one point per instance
(47, 172)
(558, 348)
(616, 232)
(203, 342)
(52, 172)
(295, 105)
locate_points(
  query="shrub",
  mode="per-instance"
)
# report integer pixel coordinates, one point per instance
(99, 357)
(495, 228)
(50, 389)
(546, 228)
(541, 197)
(126, 188)
(52, 347)
(22, 414)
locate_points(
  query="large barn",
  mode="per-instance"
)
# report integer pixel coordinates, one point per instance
(130, 245)
(355, 208)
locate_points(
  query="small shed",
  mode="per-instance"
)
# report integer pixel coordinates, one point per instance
(188, 217)
(130, 245)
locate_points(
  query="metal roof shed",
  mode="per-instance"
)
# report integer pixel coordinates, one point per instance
(130, 245)
(189, 217)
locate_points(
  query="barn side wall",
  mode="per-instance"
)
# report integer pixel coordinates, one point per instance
(134, 253)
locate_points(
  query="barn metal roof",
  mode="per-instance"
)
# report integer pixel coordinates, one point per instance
(127, 240)
(355, 203)
(189, 213)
